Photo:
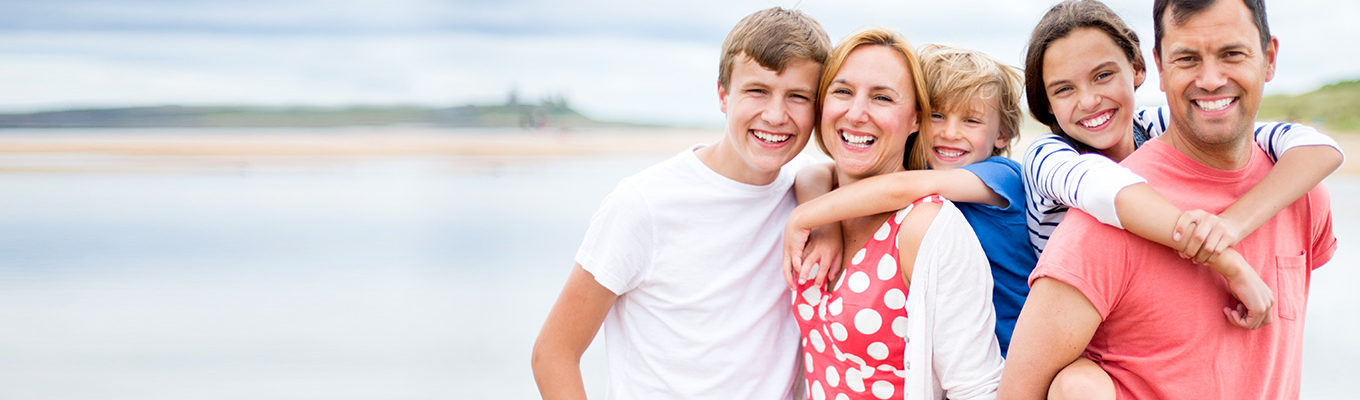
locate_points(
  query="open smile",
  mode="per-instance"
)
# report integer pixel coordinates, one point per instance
(1097, 121)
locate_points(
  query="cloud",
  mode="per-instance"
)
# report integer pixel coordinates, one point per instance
(636, 61)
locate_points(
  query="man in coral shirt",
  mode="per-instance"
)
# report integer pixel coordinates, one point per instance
(1153, 322)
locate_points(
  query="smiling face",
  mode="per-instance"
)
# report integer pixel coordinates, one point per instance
(1213, 69)
(964, 136)
(1090, 83)
(769, 118)
(868, 112)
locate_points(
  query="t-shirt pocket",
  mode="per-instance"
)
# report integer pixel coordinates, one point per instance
(1291, 286)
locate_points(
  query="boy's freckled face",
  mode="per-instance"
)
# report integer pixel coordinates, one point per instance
(770, 113)
(964, 136)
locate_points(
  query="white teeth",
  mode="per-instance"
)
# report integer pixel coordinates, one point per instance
(1214, 105)
(857, 140)
(772, 138)
(1097, 121)
(948, 153)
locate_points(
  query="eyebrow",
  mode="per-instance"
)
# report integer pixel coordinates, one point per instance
(875, 87)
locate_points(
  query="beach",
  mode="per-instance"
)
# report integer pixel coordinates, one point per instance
(355, 263)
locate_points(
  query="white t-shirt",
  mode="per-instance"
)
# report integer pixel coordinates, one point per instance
(703, 311)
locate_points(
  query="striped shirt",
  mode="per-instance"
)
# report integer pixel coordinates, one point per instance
(1058, 177)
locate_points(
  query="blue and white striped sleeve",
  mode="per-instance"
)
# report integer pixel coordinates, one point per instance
(1153, 120)
(1278, 137)
(1056, 172)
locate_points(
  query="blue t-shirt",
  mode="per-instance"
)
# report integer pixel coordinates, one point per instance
(1005, 239)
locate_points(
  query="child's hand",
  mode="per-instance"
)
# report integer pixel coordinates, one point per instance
(795, 239)
(1257, 301)
(1203, 235)
(823, 255)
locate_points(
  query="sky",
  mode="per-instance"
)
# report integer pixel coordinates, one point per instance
(635, 61)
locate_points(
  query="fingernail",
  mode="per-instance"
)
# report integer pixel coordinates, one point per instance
(1176, 236)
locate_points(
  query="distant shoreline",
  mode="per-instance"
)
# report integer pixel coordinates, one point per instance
(397, 141)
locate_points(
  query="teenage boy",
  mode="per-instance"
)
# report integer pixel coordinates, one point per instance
(681, 263)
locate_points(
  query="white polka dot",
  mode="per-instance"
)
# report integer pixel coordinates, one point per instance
(804, 311)
(853, 380)
(867, 321)
(812, 295)
(835, 307)
(899, 326)
(901, 214)
(842, 396)
(877, 350)
(815, 338)
(838, 332)
(882, 232)
(894, 299)
(807, 361)
(859, 281)
(883, 389)
(859, 257)
(886, 367)
(833, 378)
(821, 308)
(887, 267)
(858, 361)
(817, 392)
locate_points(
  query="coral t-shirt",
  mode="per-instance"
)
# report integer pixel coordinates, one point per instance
(1163, 333)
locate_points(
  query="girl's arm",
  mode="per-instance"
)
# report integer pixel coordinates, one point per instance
(1112, 193)
(1306, 157)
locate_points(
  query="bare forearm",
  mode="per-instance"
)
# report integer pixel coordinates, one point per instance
(871, 196)
(558, 376)
(1298, 171)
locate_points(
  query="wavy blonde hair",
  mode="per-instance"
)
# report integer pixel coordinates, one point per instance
(957, 76)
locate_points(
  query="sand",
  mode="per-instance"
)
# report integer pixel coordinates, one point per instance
(260, 145)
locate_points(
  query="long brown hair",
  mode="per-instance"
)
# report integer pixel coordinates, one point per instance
(1057, 23)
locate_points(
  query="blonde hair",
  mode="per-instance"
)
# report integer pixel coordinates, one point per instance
(880, 37)
(957, 76)
(773, 37)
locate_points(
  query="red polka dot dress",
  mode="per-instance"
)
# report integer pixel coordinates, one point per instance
(854, 335)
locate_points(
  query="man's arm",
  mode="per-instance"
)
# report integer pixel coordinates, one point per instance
(1054, 328)
(571, 326)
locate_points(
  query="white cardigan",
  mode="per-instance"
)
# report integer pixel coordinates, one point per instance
(951, 346)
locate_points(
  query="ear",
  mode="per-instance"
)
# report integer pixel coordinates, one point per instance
(1157, 59)
(1002, 139)
(1271, 51)
(722, 98)
(1139, 77)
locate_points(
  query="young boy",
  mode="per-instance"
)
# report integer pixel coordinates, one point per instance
(976, 117)
(680, 263)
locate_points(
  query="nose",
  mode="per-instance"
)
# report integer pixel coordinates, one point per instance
(950, 129)
(858, 112)
(1210, 76)
(776, 113)
(1088, 100)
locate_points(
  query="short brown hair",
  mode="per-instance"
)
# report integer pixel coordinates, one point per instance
(956, 77)
(895, 41)
(1183, 10)
(1059, 22)
(773, 37)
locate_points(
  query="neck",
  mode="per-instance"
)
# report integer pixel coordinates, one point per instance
(1120, 150)
(1230, 155)
(723, 159)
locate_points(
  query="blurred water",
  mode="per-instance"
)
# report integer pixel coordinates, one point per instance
(358, 278)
